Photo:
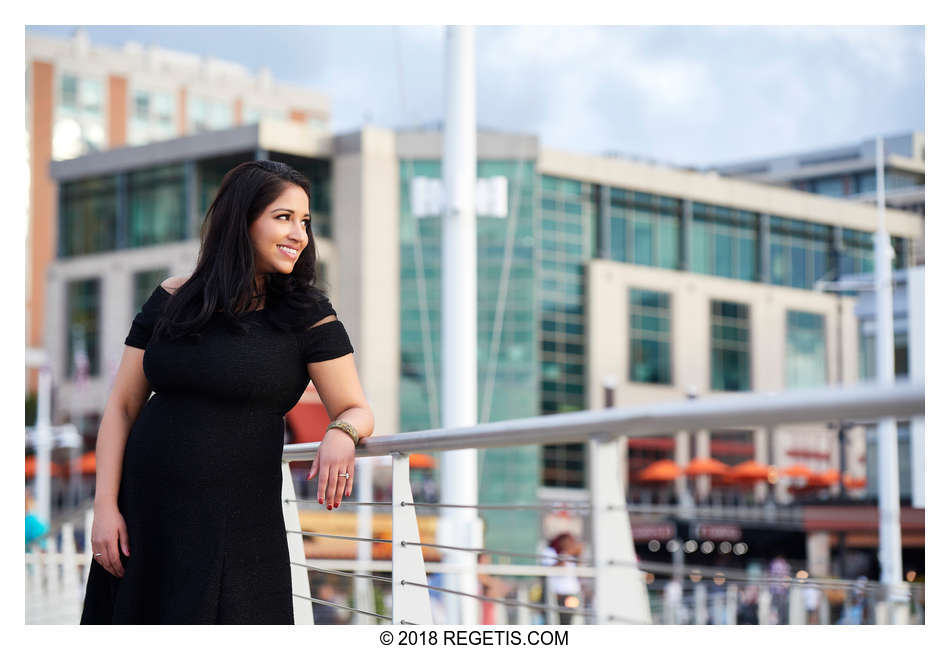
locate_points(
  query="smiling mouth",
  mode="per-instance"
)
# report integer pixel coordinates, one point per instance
(288, 251)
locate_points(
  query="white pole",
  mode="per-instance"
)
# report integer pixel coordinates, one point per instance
(459, 477)
(43, 443)
(888, 484)
(363, 588)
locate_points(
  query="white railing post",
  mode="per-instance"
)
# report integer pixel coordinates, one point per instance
(410, 602)
(700, 609)
(620, 591)
(87, 546)
(796, 604)
(524, 613)
(70, 568)
(765, 605)
(299, 576)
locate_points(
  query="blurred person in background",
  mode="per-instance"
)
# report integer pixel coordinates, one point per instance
(779, 573)
(853, 611)
(35, 527)
(566, 588)
(812, 598)
(492, 587)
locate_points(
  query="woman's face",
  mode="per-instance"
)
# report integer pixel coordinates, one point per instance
(279, 234)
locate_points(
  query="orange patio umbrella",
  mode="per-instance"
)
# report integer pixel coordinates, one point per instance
(421, 461)
(797, 471)
(854, 483)
(661, 470)
(710, 466)
(54, 469)
(751, 470)
(825, 479)
(87, 463)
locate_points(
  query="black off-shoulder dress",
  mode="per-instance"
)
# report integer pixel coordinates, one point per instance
(201, 475)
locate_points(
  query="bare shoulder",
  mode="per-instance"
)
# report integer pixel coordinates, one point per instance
(323, 321)
(173, 283)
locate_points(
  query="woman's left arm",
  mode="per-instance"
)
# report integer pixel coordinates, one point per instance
(338, 385)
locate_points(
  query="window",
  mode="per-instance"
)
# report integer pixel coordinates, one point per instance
(649, 337)
(644, 228)
(87, 216)
(829, 186)
(157, 211)
(144, 283)
(867, 351)
(800, 253)
(68, 91)
(152, 116)
(724, 242)
(730, 346)
(857, 254)
(79, 117)
(82, 333)
(205, 114)
(805, 364)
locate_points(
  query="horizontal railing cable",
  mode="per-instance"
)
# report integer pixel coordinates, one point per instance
(351, 609)
(517, 506)
(346, 574)
(628, 621)
(307, 533)
(503, 601)
(563, 558)
(742, 576)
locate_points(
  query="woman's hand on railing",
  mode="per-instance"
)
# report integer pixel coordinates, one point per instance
(109, 537)
(335, 457)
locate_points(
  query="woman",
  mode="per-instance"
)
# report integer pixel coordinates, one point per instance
(188, 524)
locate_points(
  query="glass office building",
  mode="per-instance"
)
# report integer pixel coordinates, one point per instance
(507, 335)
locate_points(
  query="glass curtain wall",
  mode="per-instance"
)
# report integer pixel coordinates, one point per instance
(144, 283)
(724, 242)
(87, 216)
(157, 208)
(508, 363)
(567, 242)
(801, 253)
(644, 228)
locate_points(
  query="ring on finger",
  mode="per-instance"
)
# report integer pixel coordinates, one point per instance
(343, 475)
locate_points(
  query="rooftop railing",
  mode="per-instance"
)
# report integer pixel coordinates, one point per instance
(616, 586)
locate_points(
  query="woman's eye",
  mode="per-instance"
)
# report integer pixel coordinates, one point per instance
(283, 216)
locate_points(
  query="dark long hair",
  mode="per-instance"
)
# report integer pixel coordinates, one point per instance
(224, 279)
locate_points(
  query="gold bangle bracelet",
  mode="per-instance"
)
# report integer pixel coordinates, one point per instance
(347, 428)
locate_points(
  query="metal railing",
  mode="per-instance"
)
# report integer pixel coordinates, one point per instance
(620, 589)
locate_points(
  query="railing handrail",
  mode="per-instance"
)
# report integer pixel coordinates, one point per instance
(860, 402)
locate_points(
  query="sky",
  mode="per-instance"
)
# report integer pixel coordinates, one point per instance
(683, 95)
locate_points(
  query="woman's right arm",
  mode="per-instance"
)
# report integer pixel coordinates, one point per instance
(129, 393)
